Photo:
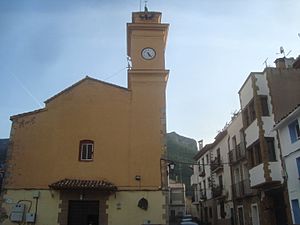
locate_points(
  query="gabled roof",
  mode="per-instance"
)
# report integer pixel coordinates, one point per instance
(81, 81)
(64, 91)
(76, 184)
(27, 113)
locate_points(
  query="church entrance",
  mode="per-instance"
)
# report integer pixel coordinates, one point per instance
(83, 212)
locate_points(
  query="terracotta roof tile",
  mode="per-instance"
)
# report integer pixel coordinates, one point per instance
(75, 184)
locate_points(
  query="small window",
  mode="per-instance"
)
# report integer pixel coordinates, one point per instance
(210, 212)
(234, 145)
(86, 150)
(249, 114)
(246, 119)
(252, 111)
(222, 209)
(294, 131)
(255, 154)
(264, 105)
(221, 181)
(271, 149)
(298, 165)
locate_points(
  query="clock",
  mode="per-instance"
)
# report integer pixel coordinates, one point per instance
(148, 53)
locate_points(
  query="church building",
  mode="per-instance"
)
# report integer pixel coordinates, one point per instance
(94, 154)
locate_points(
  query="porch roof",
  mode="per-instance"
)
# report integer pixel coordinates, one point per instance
(76, 184)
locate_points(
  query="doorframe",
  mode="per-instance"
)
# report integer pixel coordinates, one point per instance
(242, 207)
(255, 204)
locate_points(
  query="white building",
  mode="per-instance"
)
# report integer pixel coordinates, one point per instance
(212, 180)
(265, 97)
(289, 135)
(177, 204)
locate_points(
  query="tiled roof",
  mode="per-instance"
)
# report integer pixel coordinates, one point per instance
(75, 184)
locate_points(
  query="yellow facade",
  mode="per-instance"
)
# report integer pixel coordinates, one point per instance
(48, 204)
(124, 206)
(126, 125)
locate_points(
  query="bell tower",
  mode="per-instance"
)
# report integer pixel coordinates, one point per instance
(146, 44)
(147, 80)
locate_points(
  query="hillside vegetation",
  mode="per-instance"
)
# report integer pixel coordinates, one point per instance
(181, 149)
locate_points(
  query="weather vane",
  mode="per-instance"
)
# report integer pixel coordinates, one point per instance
(145, 6)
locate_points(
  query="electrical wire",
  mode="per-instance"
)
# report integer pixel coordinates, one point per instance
(26, 201)
(116, 73)
(194, 163)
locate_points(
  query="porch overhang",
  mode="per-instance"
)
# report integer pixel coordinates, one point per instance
(89, 185)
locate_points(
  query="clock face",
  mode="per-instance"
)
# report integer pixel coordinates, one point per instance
(148, 53)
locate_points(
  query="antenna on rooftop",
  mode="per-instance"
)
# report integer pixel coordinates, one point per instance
(266, 62)
(282, 52)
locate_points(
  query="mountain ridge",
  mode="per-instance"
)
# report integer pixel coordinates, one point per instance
(181, 150)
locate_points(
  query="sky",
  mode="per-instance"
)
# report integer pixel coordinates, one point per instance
(213, 45)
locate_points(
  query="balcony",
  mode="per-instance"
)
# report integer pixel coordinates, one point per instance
(201, 171)
(202, 195)
(238, 154)
(194, 179)
(217, 191)
(216, 164)
(241, 189)
(258, 175)
(198, 195)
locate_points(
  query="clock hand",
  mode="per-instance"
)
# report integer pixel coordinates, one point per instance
(148, 53)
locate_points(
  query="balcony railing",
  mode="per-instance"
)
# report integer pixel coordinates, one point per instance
(241, 189)
(217, 191)
(201, 171)
(216, 164)
(198, 195)
(235, 155)
(202, 195)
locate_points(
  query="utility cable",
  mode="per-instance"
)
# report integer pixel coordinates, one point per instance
(116, 73)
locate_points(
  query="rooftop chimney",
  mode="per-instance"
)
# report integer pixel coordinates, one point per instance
(284, 63)
(200, 144)
(296, 64)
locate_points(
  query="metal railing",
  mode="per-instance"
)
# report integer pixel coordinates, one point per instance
(241, 189)
(201, 171)
(216, 164)
(237, 154)
(217, 191)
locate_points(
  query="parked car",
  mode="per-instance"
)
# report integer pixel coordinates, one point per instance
(188, 223)
(185, 219)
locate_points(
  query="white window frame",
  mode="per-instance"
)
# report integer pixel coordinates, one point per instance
(255, 204)
(87, 153)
